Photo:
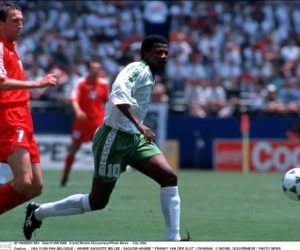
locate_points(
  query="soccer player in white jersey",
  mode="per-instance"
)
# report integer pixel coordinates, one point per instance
(123, 140)
(4, 172)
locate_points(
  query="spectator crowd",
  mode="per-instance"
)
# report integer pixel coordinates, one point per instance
(225, 57)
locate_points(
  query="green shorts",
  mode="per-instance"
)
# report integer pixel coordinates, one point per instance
(114, 150)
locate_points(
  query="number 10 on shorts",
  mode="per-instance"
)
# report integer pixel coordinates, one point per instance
(113, 171)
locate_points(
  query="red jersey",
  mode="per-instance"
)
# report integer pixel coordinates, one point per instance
(91, 97)
(11, 67)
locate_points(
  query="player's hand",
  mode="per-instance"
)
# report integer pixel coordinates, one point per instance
(147, 132)
(80, 115)
(48, 80)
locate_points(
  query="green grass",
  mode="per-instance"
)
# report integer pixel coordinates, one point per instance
(214, 207)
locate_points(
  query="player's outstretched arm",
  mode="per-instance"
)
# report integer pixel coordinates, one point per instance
(12, 84)
(128, 112)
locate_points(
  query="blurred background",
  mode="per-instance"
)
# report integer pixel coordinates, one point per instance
(226, 58)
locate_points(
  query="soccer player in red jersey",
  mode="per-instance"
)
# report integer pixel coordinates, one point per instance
(88, 100)
(18, 146)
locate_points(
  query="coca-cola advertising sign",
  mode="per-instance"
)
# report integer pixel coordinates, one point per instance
(264, 155)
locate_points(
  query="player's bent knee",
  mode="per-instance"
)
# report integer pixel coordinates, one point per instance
(169, 179)
(23, 184)
(35, 191)
(172, 178)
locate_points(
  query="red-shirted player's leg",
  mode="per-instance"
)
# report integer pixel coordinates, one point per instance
(13, 193)
(70, 156)
(10, 198)
(27, 182)
(37, 181)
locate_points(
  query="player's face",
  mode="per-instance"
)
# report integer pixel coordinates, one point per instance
(157, 58)
(94, 70)
(13, 25)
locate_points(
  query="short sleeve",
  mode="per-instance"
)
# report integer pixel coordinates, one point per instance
(107, 86)
(76, 92)
(124, 88)
(3, 73)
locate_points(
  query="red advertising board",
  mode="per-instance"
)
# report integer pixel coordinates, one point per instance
(264, 155)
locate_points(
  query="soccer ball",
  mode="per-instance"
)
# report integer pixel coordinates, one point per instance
(291, 184)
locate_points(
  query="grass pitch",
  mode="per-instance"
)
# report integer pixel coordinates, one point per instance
(214, 207)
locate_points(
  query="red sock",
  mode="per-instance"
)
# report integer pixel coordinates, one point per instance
(10, 198)
(68, 165)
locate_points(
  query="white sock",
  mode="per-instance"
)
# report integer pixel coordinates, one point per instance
(75, 204)
(170, 206)
(4, 171)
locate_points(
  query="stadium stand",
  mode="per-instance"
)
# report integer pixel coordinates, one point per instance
(226, 57)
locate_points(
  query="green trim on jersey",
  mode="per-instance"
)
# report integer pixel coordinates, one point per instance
(134, 75)
(137, 71)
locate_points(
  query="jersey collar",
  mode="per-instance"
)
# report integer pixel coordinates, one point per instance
(8, 44)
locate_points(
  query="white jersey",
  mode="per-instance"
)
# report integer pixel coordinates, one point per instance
(133, 86)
